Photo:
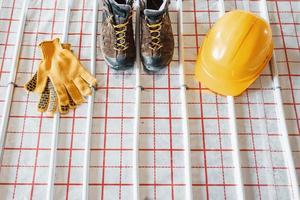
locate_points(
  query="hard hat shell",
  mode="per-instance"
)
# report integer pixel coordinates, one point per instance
(234, 52)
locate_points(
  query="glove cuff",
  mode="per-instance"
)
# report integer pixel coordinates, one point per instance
(48, 48)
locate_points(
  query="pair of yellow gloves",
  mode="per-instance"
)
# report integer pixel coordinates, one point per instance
(61, 80)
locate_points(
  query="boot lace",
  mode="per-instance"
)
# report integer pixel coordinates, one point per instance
(120, 31)
(155, 35)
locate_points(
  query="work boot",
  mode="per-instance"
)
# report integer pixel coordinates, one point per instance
(117, 42)
(157, 41)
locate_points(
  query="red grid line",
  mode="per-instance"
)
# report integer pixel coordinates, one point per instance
(254, 148)
(171, 133)
(154, 139)
(105, 136)
(201, 109)
(122, 127)
(148, 166)
(269, 146)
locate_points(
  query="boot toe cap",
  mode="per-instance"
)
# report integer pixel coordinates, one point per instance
(120, 63)
(155, 63)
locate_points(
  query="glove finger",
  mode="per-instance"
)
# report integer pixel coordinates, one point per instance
(42, 78)
(31, 84)
(74, 93)
(88, 78)
(63, 109)
(53, 99)
(44, 99)
(66, 46)
(83, 86)
(72, 104)
(62, 96)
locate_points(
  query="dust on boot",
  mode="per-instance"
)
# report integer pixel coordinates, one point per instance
(157, 41)
(117, 39)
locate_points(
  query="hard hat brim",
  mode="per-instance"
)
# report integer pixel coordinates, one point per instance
(220, 87)
(226, 88)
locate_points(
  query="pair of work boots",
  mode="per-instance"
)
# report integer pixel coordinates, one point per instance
(117, 39)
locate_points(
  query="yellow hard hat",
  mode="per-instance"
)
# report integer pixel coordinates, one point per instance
(234, 52)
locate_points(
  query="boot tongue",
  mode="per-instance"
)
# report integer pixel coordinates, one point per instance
(121, 12)
(155, 16)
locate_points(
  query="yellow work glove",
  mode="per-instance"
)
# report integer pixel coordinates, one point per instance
(69, 78)
(48, 98)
